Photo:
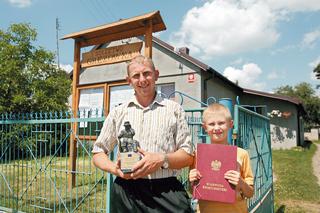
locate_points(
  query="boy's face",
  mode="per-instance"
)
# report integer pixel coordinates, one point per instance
(217, 126)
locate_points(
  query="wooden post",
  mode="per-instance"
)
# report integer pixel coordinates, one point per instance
(148, 39)
(75, 99)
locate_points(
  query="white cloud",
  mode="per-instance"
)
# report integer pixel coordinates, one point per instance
(313, 76)
(66, 67)
(294, 5)
(237, 61)
(310, 39)
(247, 77)
(223, 27)
(284, 49)
(314, 63)
(272, 76)
(158, 34)
(226, 26)
(20, 3)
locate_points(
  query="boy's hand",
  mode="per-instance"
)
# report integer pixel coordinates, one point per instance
(194, 175)
(234, 178)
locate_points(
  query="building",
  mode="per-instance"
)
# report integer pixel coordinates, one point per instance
(181, 72)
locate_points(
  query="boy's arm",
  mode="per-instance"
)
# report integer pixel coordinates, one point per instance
(246, 190)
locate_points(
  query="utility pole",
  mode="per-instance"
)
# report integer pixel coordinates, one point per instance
(57, 38)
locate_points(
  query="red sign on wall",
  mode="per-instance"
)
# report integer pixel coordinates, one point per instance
(191, 78)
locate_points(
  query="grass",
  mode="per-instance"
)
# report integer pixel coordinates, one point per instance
(296, 188)
(34, 187)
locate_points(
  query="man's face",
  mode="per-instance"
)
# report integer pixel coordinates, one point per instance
(217, 126)
(142, 78)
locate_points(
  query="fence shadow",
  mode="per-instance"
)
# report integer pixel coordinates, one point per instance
(306, 144)
(281, 209)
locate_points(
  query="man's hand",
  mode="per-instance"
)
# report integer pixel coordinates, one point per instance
(149, 163)
(118, 171)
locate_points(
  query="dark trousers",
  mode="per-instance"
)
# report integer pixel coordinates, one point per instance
(143, 195)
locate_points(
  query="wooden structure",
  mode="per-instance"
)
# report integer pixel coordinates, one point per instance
(126, 28)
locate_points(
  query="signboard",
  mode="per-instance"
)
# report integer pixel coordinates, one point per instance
(111, 55)
(191, 78)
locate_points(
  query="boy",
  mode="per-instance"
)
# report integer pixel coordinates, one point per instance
(217, 121)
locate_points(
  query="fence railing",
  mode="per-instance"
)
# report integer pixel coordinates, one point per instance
(252, 132)
(34, 162)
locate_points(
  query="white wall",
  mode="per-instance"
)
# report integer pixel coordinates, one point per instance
(284, 131)
(282, 137)
(312, 135)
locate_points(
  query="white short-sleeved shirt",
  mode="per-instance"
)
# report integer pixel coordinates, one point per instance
(161, 127)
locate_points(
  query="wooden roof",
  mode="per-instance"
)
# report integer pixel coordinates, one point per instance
(121, 29)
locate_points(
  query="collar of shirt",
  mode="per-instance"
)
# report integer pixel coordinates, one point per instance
(157, 100)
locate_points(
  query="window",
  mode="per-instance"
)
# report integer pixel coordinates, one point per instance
(166, 90)
(90, 103)
(119, 94)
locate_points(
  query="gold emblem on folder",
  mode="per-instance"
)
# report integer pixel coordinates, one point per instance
(215, 165)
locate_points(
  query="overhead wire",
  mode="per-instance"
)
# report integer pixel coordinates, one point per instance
(92, 12)
(99, 10)
(104, 4)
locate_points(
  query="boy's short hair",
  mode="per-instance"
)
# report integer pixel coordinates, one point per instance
(215, 107)
(140, 59)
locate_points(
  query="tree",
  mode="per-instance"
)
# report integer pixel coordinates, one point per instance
(30, 81)
(310, 100)
(317, 71)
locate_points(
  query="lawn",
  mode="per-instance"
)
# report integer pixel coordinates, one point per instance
(37, 185)
(296, 188)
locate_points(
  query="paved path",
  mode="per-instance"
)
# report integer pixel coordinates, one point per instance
(316, 163)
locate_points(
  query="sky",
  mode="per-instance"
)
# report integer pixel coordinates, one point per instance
(261, 44)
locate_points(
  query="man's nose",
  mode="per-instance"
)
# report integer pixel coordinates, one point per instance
(142, 77)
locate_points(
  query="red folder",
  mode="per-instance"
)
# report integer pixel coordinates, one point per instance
(213, 161)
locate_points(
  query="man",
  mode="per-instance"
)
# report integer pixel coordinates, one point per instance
(165, 146)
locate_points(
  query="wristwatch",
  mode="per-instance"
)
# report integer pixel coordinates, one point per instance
(165, 164)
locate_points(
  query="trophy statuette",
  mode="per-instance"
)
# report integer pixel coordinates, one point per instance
(128, 148)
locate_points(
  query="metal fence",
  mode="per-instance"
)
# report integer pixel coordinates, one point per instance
(34, 164)
(252, 132)
(35, 167)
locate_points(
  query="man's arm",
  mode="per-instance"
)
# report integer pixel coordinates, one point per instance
(102, 161)
(179, 159)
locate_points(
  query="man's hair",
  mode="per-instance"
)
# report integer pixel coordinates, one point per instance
(140, 59)
(214, 108)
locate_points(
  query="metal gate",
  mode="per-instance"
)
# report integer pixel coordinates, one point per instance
(34, 171)
(252, 132)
